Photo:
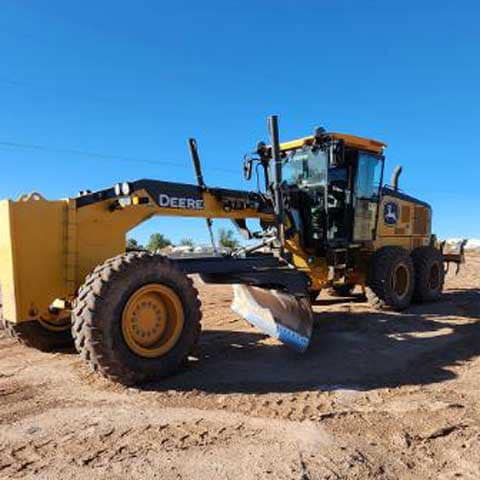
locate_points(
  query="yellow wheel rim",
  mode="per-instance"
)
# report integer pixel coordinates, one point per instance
(152, 320)
(401, 280)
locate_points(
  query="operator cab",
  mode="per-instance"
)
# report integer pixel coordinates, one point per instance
(332, 183)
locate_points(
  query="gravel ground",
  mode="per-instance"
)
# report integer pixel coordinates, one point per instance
(378, 395)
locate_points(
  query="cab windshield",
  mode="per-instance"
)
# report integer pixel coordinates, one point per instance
(306, 167)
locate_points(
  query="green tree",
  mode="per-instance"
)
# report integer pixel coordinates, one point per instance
(157, 241)
(187, 242)
(132, 244)
(227, 239)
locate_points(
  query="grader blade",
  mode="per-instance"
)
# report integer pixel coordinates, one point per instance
(276, 314)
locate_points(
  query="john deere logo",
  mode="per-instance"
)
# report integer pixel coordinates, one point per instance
(168, 201)
(390, 213)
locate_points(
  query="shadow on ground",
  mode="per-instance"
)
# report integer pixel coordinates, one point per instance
(350, 349)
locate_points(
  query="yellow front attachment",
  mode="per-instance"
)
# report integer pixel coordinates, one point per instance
(33, 261)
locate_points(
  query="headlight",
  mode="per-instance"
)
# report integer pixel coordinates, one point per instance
(126, 189)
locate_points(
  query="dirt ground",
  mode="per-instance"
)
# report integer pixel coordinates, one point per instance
(378, 395)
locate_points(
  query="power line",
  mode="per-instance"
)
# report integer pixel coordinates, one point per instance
(16, 145)
(105, 156)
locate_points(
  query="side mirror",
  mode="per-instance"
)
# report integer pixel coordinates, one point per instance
(247, 168)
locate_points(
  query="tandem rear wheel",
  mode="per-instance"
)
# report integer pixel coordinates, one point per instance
(137, 317)
(429, 274)
(397, 277)
(391, 279)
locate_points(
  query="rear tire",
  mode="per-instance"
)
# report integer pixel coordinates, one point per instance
(391, 279)
(113, 335)
(429, 274)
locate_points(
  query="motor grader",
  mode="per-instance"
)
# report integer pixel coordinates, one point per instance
(327, 221)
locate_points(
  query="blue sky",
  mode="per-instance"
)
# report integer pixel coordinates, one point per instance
(133, 80)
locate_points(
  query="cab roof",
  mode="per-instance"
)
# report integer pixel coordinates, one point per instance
(352, 141)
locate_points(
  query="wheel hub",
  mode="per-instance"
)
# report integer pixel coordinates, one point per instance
(152, 320)
(401, 280)
(148, 321)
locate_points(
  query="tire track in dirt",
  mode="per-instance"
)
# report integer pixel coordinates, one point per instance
(379, 396)
(111, 436)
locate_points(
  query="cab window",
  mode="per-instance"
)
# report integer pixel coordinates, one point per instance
(306, 167)
(369, 176)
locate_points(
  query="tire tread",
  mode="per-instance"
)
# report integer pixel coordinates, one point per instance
(87, 328)
(376, 291)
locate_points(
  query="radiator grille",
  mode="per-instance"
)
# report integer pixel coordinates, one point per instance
(406, 210)
(420, 222)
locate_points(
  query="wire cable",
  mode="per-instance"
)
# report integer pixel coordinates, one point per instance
(105, 156)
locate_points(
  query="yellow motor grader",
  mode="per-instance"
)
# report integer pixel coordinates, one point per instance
(327, 221)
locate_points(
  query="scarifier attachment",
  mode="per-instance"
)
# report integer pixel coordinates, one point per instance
(455, 255)
(276, 314)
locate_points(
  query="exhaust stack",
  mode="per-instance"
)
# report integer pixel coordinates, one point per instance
(395, 176)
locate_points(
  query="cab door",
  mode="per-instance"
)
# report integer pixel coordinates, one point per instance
(368, 181)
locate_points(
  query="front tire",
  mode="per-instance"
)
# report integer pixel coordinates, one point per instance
(137, 317)
(429, 274)
(391, 279)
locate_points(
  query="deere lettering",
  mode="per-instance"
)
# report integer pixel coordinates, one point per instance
(165, 200)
